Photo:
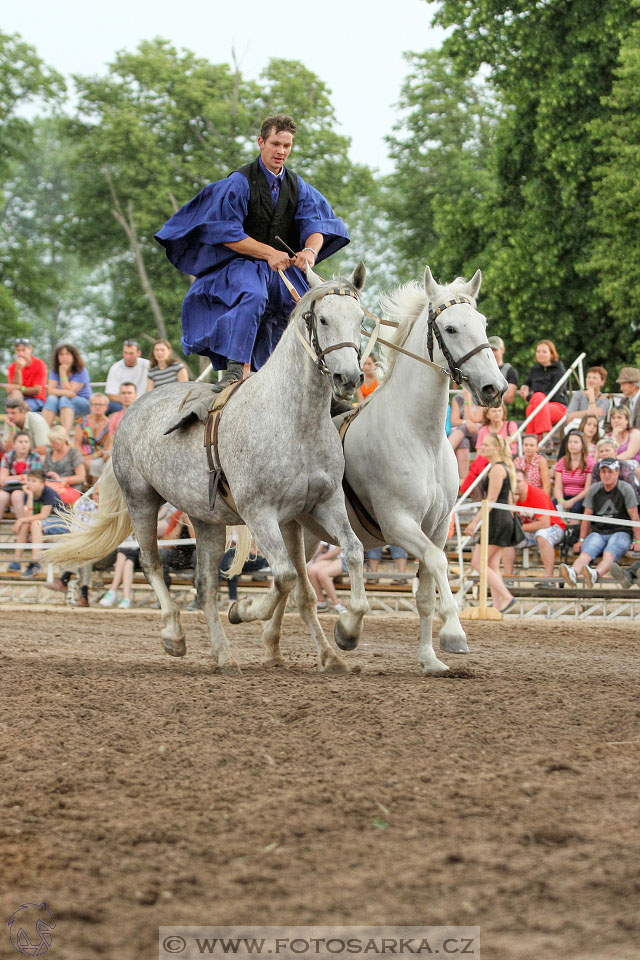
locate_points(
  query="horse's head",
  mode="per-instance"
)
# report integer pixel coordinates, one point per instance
(333, 316)
(457, 338)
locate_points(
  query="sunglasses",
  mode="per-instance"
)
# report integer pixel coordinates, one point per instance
(22, 342)
(130, 343)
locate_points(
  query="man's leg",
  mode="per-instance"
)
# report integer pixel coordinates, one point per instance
(617, 546)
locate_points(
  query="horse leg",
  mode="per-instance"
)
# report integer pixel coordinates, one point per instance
(273, 628)
(144, 517)
(332, 516)
(426, 603)
(452, 637)
(211, 541)
(305, 599)
(268, 536)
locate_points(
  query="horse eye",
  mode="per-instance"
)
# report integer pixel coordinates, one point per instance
(450, 330)
(323, 321)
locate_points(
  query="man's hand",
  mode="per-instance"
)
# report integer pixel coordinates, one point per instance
(278, 260)
(304, 257)
(577, 548)
(21, 362)
(524, 391)
(636, 547)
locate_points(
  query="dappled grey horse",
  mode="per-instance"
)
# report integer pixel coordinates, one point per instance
(399, 462)
(283, 463)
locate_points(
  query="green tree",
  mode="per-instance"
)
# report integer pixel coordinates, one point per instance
(24, 78)
(551, 64)
(615, 252)
(440, 146)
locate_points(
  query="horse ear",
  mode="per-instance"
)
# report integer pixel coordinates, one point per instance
(312, 278)
(473, 287)
(358, 276)
(430, 286)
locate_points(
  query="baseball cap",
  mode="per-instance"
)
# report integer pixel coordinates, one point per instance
(629, 375)
(495, 343)
(610, 462)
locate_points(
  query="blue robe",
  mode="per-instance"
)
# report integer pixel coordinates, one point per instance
(238, 307)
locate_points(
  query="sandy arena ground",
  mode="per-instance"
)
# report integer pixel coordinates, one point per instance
(142, 791)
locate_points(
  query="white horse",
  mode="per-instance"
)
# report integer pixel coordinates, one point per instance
(283, 464)
(399, 463)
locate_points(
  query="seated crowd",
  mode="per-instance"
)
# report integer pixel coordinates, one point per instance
(595, 470)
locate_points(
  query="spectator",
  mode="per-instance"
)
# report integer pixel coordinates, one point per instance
(398, 555)
(629, 381)
(14, 467)
(127, 562)
(322, 568)
(20, 419)
(132, 369)
(63, 463)
(508, 371)
(543, 376)
(177, 558)
(498, 486)
(27, 376)
(254, 562)
(465, 424)
(370, 369)
(607, 448)
(42, 515)
(84, 511)
(68, 390)
(495, 421)
(590, 401)
(626, 437)
(128, 396)
(590, 429)
(534, 465)
(91, 435)
(614, 499)
(164, 366)
(573, 474)
(540, 530)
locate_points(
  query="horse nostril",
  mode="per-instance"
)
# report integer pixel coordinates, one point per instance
(489, 393)
(360, 380)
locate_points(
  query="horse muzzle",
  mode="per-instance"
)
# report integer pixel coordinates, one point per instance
(344, 385)
(490, 395)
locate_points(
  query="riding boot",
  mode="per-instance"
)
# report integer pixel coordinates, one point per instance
(233, 373)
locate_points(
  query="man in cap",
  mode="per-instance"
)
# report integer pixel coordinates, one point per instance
(614, 499)
(508, 371)
(629, 381)
(27, 376)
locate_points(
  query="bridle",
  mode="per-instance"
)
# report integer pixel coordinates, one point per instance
(312, 345)
(433, 329)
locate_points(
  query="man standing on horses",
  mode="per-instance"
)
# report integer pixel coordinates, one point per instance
(237, 307)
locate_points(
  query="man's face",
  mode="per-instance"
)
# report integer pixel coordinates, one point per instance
(127, 396)
(609, 477)
(24, 351)
(275, 149)
(34, 486)
(498, 353)
(521, 487)
(628, 388)
(16, 416)
(130, 356)
(607, 450)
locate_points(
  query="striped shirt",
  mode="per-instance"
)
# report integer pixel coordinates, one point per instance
(168, 375)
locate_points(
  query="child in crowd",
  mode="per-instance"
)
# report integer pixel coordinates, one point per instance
(14, 467)
(369, 368)
(42, 516)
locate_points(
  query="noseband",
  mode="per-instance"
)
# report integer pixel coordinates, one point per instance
(433, 329)
(311, 323)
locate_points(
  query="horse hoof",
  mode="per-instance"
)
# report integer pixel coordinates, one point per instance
(343, 640)
(175, 648)
(335, 667)
(233, 613)
(434, 671)
(454, 644)
(229, 670)
(274, 663)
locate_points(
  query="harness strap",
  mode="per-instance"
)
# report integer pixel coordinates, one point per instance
(364, 517)
(217, 479)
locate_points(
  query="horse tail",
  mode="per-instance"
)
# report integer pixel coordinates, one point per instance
(243, 549)
(88, 541)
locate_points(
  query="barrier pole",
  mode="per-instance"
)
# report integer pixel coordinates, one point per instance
(482, 611)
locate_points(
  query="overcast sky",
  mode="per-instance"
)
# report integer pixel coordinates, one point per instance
(354, 46)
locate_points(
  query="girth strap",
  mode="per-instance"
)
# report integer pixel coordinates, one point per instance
(364, 517)
(217, 479)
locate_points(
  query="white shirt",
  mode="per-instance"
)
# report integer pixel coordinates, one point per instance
(120, 373)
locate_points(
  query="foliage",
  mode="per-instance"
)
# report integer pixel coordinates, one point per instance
(615, 253)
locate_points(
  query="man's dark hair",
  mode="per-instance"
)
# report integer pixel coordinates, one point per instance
(21, 433)
(522, 472)
(127, 383)
(37, 474)
(277, 124)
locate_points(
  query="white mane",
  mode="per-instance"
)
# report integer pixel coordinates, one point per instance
(404, 306)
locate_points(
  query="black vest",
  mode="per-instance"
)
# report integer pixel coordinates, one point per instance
(262, 222)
